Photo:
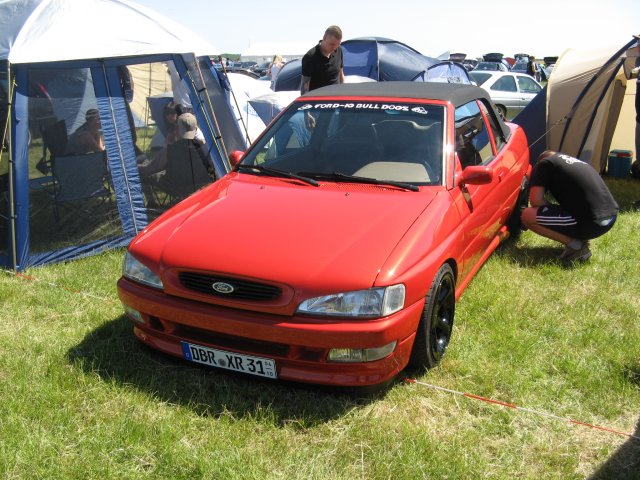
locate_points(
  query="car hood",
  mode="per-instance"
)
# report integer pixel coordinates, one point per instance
(321, 238)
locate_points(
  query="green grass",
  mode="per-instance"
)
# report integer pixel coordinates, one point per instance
(80, 398)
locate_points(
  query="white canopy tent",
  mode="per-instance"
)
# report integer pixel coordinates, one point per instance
(45, 30)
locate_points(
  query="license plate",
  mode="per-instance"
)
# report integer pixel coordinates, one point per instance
(263, 367)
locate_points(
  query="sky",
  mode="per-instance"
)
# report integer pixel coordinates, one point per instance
(431, 27)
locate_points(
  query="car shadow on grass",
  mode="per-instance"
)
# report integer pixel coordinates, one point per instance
(113, 352)
(525, 256)
(624, 464)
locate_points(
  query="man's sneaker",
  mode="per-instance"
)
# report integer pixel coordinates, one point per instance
(570, 255)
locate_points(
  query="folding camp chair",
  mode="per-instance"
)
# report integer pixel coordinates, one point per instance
(185, 171)
(54, 144)
(78, 179)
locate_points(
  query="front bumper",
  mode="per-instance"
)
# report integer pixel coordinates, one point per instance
(299, 345)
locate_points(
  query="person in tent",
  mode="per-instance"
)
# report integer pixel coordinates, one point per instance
(88, 137)
(585, 209)
(323, 64)
(187, 166)
(159, 143)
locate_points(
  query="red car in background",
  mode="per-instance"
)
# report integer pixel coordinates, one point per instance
(335, 250)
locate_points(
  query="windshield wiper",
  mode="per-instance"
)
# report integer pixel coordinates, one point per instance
(275, 173)
(342, 177)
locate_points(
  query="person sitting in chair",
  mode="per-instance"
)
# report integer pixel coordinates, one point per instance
(88, 137)
(184, 165)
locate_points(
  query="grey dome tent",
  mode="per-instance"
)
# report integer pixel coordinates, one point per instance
(62, 62)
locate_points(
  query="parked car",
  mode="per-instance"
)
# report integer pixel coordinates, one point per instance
(510, 91)
(470, 63)
(520, 67)
(491, 66)
(335, 249)
(261, 69)
(245, 65)
(236, 69)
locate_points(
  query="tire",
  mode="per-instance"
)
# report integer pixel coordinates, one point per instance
(502, 110)
(436, 322)
(514, 222)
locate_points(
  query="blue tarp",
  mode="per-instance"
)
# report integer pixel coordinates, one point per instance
(533, 120)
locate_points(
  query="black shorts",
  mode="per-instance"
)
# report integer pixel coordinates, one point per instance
(555, 218)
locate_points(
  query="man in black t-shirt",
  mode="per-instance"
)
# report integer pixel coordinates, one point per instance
(585, 209)
(323, 64)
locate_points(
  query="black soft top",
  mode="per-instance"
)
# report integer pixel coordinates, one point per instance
(456, 93)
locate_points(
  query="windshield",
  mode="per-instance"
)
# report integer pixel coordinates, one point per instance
(390, 142)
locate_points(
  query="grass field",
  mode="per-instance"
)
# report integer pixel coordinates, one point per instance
(81, 398)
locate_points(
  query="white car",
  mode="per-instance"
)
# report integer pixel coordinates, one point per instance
(510, 91)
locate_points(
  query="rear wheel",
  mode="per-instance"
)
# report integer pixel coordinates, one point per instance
(502, 110)
(436, 322)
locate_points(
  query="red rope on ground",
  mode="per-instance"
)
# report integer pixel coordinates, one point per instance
(522, 409)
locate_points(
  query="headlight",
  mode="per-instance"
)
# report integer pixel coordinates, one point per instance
(136, 271)
(372, 303)
(359, 355)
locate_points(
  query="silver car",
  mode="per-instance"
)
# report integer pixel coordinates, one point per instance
(510, 91)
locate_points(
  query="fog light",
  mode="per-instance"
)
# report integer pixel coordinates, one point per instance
(359, 355)
(133, 313)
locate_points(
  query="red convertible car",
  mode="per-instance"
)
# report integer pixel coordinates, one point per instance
(335, 250)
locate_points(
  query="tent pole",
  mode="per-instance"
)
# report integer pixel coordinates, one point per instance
(215, 128)
(12, 202)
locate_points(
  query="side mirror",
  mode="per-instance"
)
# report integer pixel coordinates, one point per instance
(479, 175)
(235, 157)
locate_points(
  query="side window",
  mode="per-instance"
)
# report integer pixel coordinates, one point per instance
(498, 135)
(527, 85)
(473, 145)
(505, 84)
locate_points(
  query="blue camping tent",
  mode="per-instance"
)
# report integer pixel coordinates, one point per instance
(383, 59)
(380, 59)
(59, 70)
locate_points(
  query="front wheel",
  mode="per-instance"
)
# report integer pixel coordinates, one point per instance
(436, 322)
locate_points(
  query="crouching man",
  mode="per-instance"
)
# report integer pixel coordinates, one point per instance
(585, 208)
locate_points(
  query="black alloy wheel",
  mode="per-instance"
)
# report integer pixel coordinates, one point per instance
(436, 323)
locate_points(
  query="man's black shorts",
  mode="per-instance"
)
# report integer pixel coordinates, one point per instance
(555, 218)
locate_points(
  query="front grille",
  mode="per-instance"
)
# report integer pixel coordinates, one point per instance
(242, 289)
